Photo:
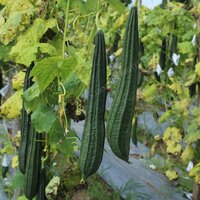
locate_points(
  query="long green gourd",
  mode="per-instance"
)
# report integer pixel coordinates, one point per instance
(122, 109)
(92, 145)
(25, 124)
(41, 185)
(134, 132)
(33, 164)
(192, 88)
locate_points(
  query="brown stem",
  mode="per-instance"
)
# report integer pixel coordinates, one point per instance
(196, 192)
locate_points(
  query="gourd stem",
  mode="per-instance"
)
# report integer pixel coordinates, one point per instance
(65, 29)
(136, 3)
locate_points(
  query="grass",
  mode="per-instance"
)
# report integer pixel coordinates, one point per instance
(94, 189)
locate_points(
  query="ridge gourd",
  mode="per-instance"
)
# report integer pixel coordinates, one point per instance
(25, 125)
(92, 145)
(122, 109)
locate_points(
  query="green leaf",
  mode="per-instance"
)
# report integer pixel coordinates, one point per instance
(5, 50)
(79, 5)
(197, 69)
(83, 67)
(31, 106)
(69, 144)
(150, 92)
(185, 47)
(74, 86)
(28, 45)
(117, 5)
(4, 2)
(46, 70)
(17, 181)
(193, 133)
(56, 134)
(32, 92)
(43, 118)
(47, 48)
(66, 144)
(22, 198)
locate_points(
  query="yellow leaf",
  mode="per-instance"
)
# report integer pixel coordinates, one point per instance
(154, 61)
(4, 2)
(197, 69)
(165, 116)
(182, 105)
(172, 133)
(153, 149)
(119, 22)
(187, 154)
(118, 52)
(2, 20)
(172, 136)
(8, 149)
(18, 80)
(12, 106)
(191, 79)
(15, 161)
(176, 87)
(149, 92)
(171, 175)
(195, 172)
(173, 147)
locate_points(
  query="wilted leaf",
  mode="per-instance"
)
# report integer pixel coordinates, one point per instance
(17, 14)
(18, 80)
(28, 43)
(52, 188)
(12, 106)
